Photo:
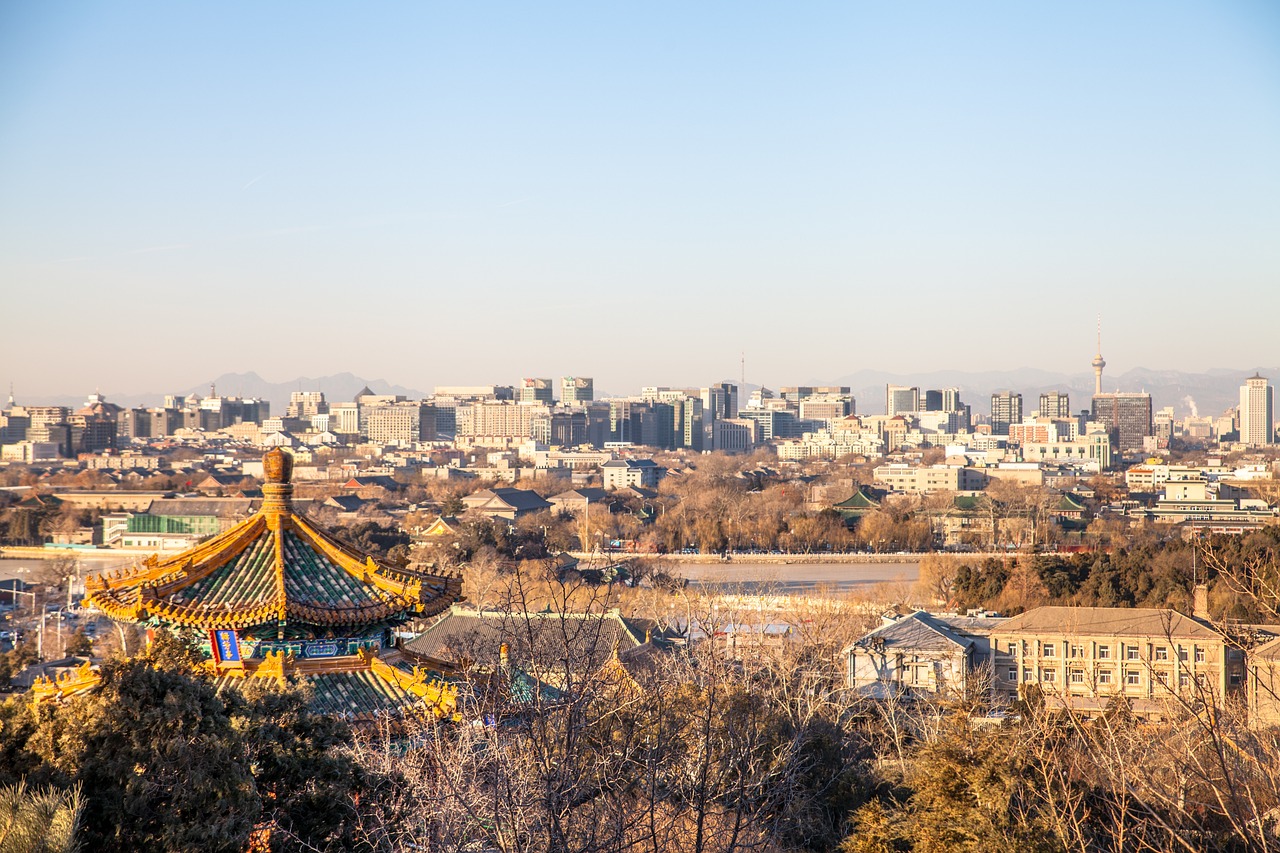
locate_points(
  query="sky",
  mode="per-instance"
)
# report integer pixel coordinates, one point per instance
(465, 193)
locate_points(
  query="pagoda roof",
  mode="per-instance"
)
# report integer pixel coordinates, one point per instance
(858, 500)
(273, 569)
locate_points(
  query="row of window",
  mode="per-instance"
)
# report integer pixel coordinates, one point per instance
(1102, 651)
(1131, 677)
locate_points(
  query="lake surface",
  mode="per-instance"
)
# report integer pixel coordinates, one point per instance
(773, 578)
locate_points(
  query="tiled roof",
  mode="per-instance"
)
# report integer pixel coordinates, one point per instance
(919, 631)
(1109, 622)
(541, 638)
(274, 567)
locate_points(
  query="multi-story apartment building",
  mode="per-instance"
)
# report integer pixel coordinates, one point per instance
(1055, 404)
(401, 424)
(1127, 416)
(1006, 409)
(495, 423)
(641, 473)
(1257, 416)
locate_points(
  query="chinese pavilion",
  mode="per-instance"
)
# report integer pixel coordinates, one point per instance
(278, 597)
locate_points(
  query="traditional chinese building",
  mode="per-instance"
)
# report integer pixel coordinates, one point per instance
(276, 596)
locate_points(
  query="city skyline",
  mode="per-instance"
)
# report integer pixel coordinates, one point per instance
(424, 190)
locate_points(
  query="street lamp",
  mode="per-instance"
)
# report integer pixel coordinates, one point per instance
(62, 647)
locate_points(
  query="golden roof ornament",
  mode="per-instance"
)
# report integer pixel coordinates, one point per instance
(277, 466)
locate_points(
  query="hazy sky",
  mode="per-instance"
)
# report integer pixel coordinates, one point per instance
(466, 192)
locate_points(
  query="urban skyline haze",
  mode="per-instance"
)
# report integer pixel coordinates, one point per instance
(443, 194)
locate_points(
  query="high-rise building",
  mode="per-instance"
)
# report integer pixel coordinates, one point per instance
(575, 390)
(345, 418)
(901, 399)
(1006, 409)
(1055, 404)
(1257, 417)
(404, 423)
(933, 401)
(1127, 416)
(304, 404)
(537, 391)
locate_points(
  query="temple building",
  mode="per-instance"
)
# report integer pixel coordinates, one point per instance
(276, 596)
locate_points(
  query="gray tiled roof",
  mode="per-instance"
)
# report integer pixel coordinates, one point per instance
(1109, 622)
(544, 638)
(919, 631)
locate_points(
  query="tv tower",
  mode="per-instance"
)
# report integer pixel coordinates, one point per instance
(1098, 362)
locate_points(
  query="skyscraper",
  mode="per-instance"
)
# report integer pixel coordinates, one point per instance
(537, 391)
(1257, 416)
(1055, 404)
(1006, 408)
(901, 399)
(576, 389)
(1127, 416)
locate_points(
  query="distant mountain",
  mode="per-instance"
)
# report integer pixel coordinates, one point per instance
(1208, 393)
(338, 388)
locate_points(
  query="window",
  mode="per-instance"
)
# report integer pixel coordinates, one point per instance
(1184, 680)
(1182, 653)
(1026, 675)
(1077, 676)
(1235, 679)
(1104, 676)
(1163, 678)
(1131, 653)
(1199, 654)
(1132, 677)
(1162, 653)
(1013, 673)
(1104, 652)
(1024, 647)
(1048, 675)
(1049, 650)
(1077, 651)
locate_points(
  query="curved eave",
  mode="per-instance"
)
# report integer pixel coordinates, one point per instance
(145, 591)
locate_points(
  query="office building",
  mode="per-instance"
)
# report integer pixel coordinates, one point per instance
(1006, 409)
(1257, 418)
(402, 423)
(901, 399)
(537, 391)
(575, 390)
(304, 404)
(1127, 417)
(1055, 404)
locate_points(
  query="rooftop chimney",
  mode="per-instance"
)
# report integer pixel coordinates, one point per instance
(1200, 607)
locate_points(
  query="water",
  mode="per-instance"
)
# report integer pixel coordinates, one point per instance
(796, 578)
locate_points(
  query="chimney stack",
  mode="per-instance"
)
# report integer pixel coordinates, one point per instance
(1200, 607)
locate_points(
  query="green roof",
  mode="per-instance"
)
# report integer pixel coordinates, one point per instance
(858, 500)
